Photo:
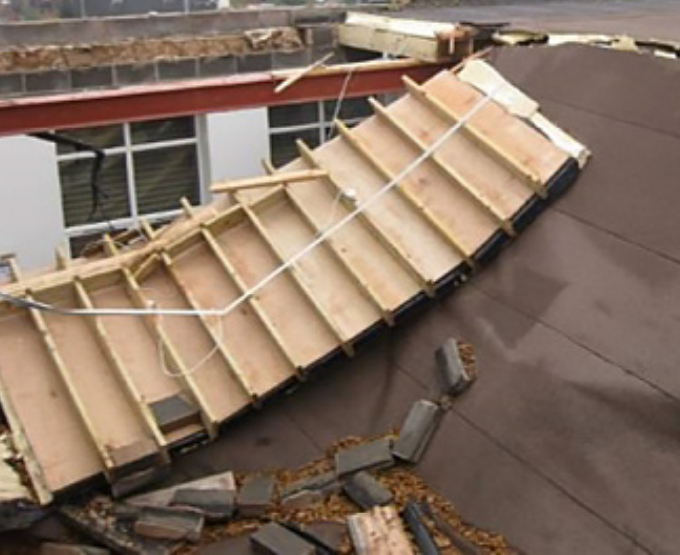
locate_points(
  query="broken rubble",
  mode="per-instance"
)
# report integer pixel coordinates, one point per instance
(366, 491)
(373, 455)
(275, 539)
(417, 430)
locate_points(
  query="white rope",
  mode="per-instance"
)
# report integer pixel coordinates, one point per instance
(361, 207)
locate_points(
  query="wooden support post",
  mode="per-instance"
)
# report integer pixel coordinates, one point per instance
(371, 224)
(64, 373)
(266, 181)
(143, 410)
(444, 169)
(170, 351)
(362, 149)
(224, 353)
(503, 156)
(300, 282)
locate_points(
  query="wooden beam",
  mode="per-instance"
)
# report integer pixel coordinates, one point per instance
(221, 348)
(501, 155)
(65, 374)
(370, 223)
(379, 532)
(301, 284)
(121, 372)
(165, 344)
(451, 174)
(362, 149)
(266, 181)
(367, 290)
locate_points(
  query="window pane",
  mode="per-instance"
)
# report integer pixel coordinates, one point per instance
(293, 115)
(107, 136)
(162, 130)
(351, 108)
(283, 147)
(76, 190)
(163, 176)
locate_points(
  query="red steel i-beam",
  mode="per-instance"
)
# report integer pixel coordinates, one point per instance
(91, 108)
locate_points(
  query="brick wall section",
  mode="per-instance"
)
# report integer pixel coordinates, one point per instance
(320, 39)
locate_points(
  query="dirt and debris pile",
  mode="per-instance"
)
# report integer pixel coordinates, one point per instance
(79, 56)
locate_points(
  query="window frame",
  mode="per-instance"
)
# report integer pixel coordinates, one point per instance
(128, 150)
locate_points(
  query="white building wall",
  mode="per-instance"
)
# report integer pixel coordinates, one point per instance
(236, 144)
(31, 219)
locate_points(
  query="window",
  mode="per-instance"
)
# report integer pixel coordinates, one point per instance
(148, 167)
(311, 122)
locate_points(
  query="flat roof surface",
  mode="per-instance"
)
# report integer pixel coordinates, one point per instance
(570, 440)
(642, 19)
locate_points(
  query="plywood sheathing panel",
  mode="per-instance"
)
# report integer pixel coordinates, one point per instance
(97, 375)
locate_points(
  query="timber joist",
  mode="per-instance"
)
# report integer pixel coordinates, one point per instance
(106, 364)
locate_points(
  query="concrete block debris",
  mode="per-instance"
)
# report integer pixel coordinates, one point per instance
(215, 504)
(366, 491)
(256, 496)
(373, 455)
(417, 431)
(274, 539)
(454, 374)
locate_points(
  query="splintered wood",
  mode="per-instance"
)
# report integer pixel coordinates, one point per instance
(379, 532)
(289, 270)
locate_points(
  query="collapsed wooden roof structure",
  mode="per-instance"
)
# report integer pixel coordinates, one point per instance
(107, 364)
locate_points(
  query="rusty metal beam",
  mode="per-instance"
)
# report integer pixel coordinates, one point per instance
(157, 101)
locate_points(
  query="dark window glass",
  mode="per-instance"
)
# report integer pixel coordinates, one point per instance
(77, 194)
(283, 147)
(162, 130)
(293, 115)
(351, 108)
(164, 176)
(107, 136)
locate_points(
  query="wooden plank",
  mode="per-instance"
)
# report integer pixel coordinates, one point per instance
(367, 289)
(209, 238)
(266, 181)
(125, 381)
(400, 37)
(252, 260)
(327, 279)
(449, 173)
(298, 277)
(169, 352)
(219, 387)
(432, 219)
(372, 223)
(244, 342)
(493, 180)
(374, 266)
(379, 532)
(500, 153)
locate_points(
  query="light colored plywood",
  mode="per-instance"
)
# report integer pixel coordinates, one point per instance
(379, 532)
(425, 247)
(44, 406)
(280, 299)
(328, 280)
(263, 364)
(214, 379)
(452, 178)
